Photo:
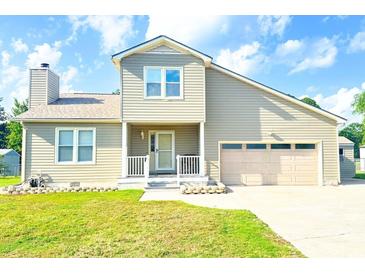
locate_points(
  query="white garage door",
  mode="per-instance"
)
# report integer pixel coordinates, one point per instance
(269, 164)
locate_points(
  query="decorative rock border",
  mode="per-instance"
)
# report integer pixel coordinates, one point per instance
(20, 190)
(201, 189)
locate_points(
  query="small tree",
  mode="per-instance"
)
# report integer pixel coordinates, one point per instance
(14, 138)
(310, 101)
(3, 128)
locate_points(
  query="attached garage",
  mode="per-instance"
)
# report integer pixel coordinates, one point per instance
(269, 164)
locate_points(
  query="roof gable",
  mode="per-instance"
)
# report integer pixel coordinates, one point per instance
(163, 43)
(163, 49)
(285, 96)
(157, 44)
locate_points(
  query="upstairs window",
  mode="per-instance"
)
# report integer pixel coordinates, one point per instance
(163, 82)
(172, 82)
(154, 80)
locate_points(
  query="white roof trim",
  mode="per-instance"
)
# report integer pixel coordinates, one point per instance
(277, 93)
(68, 120)
(160, 40)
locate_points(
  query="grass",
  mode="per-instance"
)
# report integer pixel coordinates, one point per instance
(9, 180)
(360, 174)
(116, 224)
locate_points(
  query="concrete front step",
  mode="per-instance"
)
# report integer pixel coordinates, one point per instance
(161, 185)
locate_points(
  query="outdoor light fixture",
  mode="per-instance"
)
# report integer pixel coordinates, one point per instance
(142, 135)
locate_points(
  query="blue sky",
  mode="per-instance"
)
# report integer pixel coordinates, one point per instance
(319, 56)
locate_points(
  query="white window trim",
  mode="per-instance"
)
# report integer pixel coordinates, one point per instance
(75, 146)
(163, 83)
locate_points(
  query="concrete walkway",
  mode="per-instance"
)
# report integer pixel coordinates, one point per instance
(319, 221)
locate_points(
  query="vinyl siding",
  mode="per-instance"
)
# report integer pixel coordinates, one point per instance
(240, 112)
(44, 87)
(347, 165)
(38, 87)
(136, 108)
(40, 155)
(53, 87)
(186, 139)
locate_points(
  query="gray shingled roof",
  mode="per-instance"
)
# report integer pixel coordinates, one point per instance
(77, 106)
(344, 140)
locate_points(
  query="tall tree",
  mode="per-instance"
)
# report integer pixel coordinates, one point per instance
(14, 138)
(355, 133)
(359, 103)
(3, 128)
(310, 101)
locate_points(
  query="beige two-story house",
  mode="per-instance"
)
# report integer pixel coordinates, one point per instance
(179, 117)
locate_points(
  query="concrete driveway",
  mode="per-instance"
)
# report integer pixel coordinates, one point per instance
(319, 221)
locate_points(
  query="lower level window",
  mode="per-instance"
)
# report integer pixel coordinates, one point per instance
(75, 145)
(280, 146)
(305, 146)
(231, 146)
(256, 146)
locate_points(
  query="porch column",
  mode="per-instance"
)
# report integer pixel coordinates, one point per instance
(124, 149)
(201, 149)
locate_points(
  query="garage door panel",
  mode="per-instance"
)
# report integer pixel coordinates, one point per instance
(253, 179)
(269, 167)
(254, 156)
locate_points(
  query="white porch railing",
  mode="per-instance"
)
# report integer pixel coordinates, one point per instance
(138, 166)
(188, 165)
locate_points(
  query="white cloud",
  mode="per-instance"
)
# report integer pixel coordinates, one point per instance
(44, 53)
(66, 79)
(114, 30)
(325, 19)
(320, 54)
(340, 103)
(19, 46)
(357, 43)
(273, 25)
(246, 60)
(186, 29)
(21, 89)
(289, 47)
(5, 58)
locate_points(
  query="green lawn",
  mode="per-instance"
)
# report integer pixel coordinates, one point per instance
(9, 180)
(116, 224)
(360, 174)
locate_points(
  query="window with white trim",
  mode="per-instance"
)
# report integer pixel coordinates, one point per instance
(163, 82)
(75, 145)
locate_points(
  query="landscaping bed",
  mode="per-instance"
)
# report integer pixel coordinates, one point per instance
(117, 224)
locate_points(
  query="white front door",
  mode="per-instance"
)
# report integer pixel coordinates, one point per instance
(165, 150)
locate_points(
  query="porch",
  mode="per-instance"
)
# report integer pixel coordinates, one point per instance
(162, 155)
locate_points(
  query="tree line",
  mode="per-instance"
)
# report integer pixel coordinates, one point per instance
(11, 131)
(354, 131)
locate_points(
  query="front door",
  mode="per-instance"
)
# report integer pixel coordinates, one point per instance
(164, 150)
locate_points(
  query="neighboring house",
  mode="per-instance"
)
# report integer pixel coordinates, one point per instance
(347, 161)
(179, 116)
(10, 159)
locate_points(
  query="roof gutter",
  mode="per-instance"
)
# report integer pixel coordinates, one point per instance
(69, 120)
